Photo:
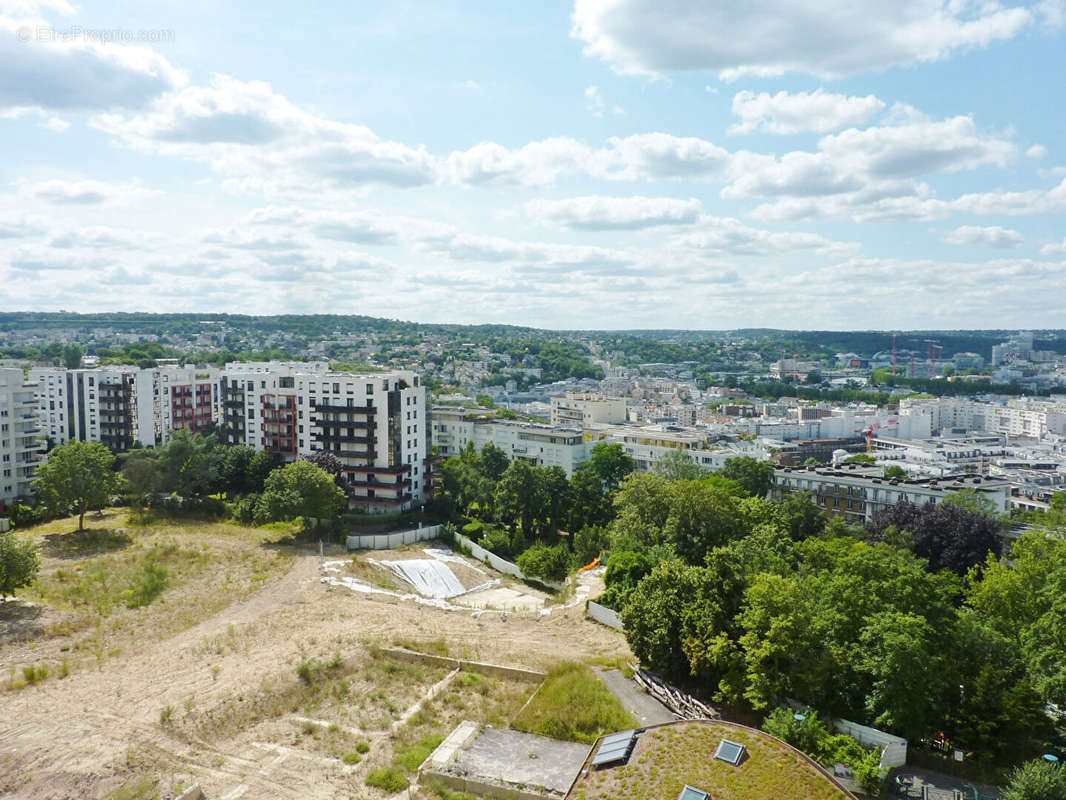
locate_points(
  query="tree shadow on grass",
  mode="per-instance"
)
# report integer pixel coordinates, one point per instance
(85, 544)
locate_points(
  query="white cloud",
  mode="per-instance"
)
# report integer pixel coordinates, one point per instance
(731, 236)
(784, 113)
(991, 236)
(601, 213)
(771, 37)
(536, 163)
(663, 156)
(77, 74)
(594, 101)
(1054, 249)
(247, 131)
(1036, 151)
(55, 124)
(86, 192)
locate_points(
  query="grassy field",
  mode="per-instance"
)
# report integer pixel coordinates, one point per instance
(103, 589)
(666, 758)
(573, 704)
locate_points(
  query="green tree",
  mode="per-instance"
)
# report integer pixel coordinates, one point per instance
(553, 490)
(677, 465)
(654, 616)
(894, 471)
(72, 354)
(701, 518)
(189, 464)
(801, 517)
(901, 654)
(143, 475)
(588, 506)
(18, 563)
(755, 477)
(542, 561)
(517, 496)
(1036, 780)
(234, 470)
(259, 468)
(76, 478)
(493, 462)
(299, 489)
(611, 464)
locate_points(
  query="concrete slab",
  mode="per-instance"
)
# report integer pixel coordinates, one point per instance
(512, 759)
(639, 703)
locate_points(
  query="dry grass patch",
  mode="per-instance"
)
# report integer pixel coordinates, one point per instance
(114, 583)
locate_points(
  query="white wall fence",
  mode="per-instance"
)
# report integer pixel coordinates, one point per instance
(893, 748)
(603, 615)
(500, 564)
(387, 541)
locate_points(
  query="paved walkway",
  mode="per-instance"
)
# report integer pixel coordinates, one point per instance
(941, 787)
(643, 706)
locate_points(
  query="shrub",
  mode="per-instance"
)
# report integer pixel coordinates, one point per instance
(351, 758)
(542, 561)
(388, 778)
(148, 583)
(590, 542)
(498, 541)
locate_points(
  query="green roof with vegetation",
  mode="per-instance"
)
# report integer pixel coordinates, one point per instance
(669, 757)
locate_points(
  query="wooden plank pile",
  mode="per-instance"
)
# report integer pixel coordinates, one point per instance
(682, 705)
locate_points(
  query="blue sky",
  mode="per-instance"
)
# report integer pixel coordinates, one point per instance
(592, 164)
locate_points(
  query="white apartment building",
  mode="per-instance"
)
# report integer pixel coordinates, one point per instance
(581, 409)
(541, 445)
(186, 398)
(1027, 417)
(112, 405)
(21, 444)
(375, 424)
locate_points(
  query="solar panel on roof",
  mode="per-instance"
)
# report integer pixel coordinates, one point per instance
(730, 752)
(614, 749)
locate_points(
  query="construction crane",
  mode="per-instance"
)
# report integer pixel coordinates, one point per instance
(933, 349)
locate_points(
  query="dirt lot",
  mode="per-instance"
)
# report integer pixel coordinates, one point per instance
(202, 685)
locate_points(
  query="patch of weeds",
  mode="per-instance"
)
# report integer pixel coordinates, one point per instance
(351, 758)
(436, 647)
(574, 705)
(410, 758)
(148, 583)
(141, 787)
(388, 778)
(312, 670)
(166, 715)
(35, 673)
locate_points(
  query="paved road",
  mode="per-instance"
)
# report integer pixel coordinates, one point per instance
(643, 706)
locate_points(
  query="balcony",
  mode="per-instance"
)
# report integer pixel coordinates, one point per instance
(343, 409)
(342, 438)
(385, 501)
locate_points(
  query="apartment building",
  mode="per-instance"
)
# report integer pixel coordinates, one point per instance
(857, 491)
(541, 445)
(187, 398)
(1026, 417)
(112, 405)
(21, 444)
(375, 424)
(581, 409)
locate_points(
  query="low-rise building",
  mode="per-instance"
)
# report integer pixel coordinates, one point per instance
(581, 409)
(857, 491)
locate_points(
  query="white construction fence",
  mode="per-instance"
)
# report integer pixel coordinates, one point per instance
(387, 541)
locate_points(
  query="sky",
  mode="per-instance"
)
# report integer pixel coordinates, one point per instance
(608, 164)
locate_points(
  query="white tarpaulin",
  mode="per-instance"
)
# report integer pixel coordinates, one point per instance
(430, 577)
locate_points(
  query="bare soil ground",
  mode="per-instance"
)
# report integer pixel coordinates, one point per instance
(202, 685)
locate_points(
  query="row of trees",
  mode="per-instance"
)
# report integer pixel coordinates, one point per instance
(192, 471)
(913, 624)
